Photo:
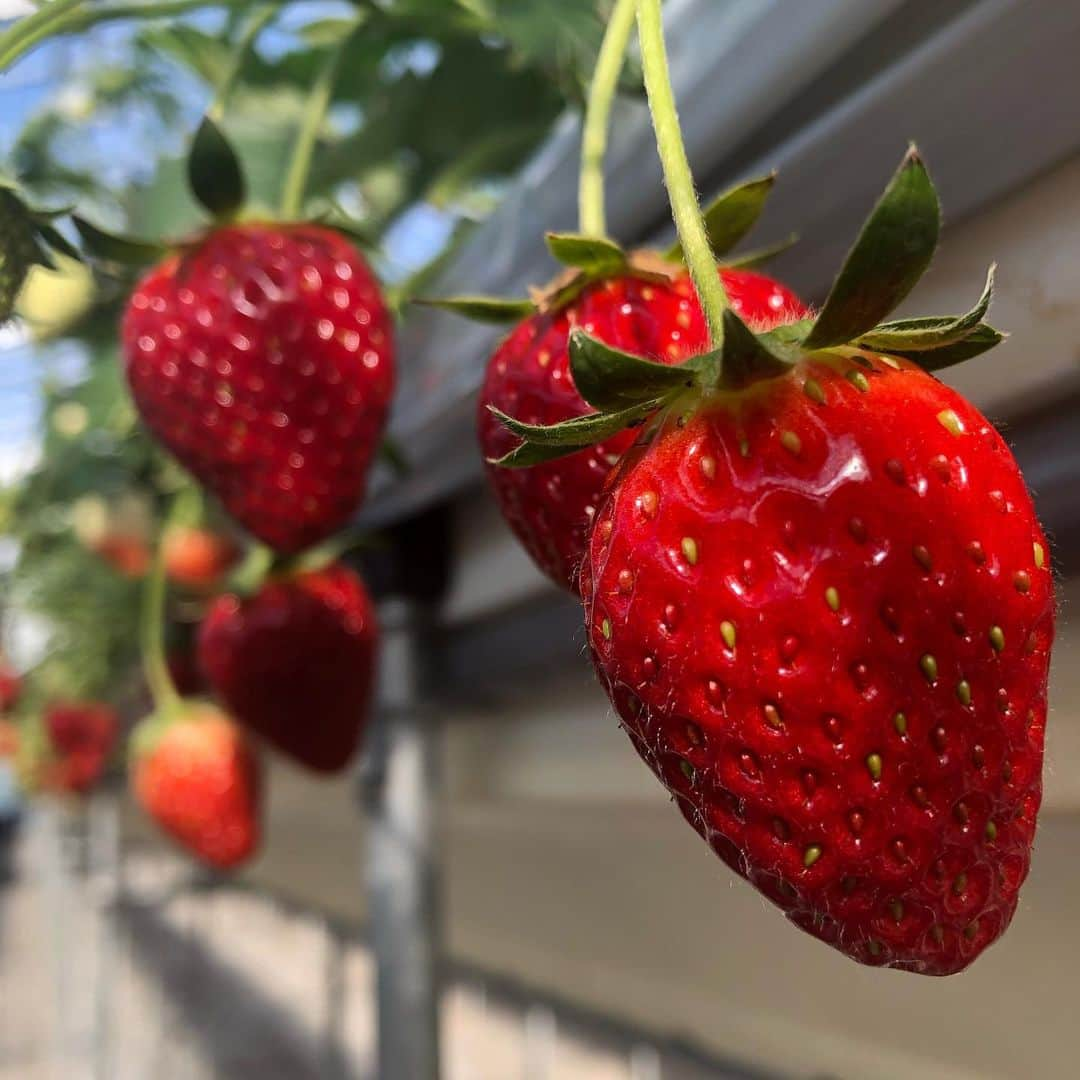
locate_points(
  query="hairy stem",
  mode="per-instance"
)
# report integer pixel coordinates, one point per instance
(685, 208)
(594, 134)
(258, 22)
(152, 630)
(307, 137)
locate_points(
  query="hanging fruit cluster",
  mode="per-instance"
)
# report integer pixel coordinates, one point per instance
(813, 583)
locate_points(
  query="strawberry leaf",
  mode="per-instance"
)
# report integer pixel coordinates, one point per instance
(485, 309)
(730, 216)
(911, 335)
(891, 253)
(759, 256)
(109, 247)
(20, 248)
(978, 340)
(747, 356)
(58, 241)
(545, 443)
(610, 379)
(593, 254)
(214, 172)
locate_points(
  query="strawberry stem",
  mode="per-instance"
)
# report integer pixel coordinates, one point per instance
(292, 196)
(685, 208)
(259, 20)
(152, 631)
(594, 133)
(28, 31)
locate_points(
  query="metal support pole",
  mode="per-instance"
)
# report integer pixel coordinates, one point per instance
(398, 780)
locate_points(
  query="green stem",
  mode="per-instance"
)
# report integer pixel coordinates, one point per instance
(60, 17)
(685, 208)
(258, 22)
(307, 137)
(594, 133)
(251, 573)
(152, 631)
(33, 28)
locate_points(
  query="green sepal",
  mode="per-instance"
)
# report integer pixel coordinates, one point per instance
(59, 242)
(527, 454)
(746, 356)
(214, 173)
(484, 309)
(730, 216)
(759, 256)
(24, 243)
(891, 253)
(545, 443)
(933, 332)
(979, 340)
(611, 380)
(593, 254)
(109, 247)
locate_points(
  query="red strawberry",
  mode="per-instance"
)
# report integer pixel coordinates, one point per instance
(549, 507)
(82, 736)
(81, 728)
(10, 686)
(262, 358)
(295, 662)
(818, 596)
(197, 558)
(198, 777)
(823, 610)
(9, 739)
(129, 556)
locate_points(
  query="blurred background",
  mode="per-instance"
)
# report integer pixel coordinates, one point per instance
(560, 919)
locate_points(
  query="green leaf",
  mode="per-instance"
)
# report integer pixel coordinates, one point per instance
(59, 242)
(933, 332)
(485, 309)
(730, 216)
(979, 340)
(591, 253)
(610, 379)
(214, 172)
(110, 247)
(746, 355)
(527, 454)
(19, 248)
(582, 431)
(209, 56)
(893, 250)
(759, 256)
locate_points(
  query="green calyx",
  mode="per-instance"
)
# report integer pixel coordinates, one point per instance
(28, 238)
(590, 259)
(889, 256)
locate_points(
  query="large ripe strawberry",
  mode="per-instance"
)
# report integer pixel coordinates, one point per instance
(197, 776)
(820, 601)
(550, 506)
(295, 662)
(261, 355)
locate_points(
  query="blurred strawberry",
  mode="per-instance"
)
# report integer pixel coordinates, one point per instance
(10, 686)
(295, 662)
(196, 774)
(197, 558)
